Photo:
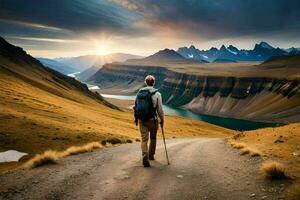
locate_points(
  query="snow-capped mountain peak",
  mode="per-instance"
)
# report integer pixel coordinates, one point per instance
(265, 45)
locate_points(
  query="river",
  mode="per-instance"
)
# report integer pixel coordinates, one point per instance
(230, 123)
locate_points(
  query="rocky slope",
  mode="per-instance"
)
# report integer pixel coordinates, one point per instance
(265, 92)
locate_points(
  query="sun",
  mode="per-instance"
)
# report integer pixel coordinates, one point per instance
(102, 50)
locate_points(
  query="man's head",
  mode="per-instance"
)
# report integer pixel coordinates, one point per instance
(150, 80)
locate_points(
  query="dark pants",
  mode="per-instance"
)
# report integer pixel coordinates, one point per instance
(147, 128)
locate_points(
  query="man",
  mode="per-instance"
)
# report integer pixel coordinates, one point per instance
(148, 113)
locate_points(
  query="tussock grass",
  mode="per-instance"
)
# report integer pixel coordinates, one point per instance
(253, 152)
(273, 170)
(114, 141)
(237, 145)
(50, 157)
(245, 149)
(81, 149)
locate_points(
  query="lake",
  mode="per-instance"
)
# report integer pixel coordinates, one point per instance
(231, 123)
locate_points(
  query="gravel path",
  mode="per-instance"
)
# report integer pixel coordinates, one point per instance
(202, 168)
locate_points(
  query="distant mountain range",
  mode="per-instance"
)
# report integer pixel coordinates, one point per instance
(58, 66)
(261, 52)
(86, 65)
(164, 56)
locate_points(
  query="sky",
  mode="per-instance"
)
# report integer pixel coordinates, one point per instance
(61, 28)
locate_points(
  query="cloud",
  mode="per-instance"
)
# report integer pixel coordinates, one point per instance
(153, 22)
(74, 15)
(218, 19)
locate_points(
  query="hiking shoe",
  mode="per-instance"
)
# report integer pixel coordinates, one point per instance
(151, 157)
(146, 162)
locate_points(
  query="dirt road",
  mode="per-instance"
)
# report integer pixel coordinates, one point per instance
(201, 168)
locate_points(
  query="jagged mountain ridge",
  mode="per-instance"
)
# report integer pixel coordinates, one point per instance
(260, 52)
(163, 56)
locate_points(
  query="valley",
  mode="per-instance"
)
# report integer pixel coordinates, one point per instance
(267, 92)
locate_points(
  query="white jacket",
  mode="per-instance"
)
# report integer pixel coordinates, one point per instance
(157, 102)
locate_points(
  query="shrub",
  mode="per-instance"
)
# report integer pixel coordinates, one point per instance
(237, 145)
(128, 141)
(114, 141)
(253, 152)
(48, 157)
(273, 170)
(81, 149)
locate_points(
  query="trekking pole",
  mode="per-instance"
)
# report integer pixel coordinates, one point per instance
(163, 134)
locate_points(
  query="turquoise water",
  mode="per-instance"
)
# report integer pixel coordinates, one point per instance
(231, 123)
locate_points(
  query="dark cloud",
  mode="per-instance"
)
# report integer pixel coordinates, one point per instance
(74, 15)
(223, 18)
(155, 20)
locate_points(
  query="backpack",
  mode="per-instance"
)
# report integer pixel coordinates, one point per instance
(144, 109)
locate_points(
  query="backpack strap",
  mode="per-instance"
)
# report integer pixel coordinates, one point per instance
(155, 116)
(152, 93)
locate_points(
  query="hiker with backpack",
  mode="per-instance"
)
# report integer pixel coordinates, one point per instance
(148, 113)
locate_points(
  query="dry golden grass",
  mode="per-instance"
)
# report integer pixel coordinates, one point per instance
(237, 145)
(81, 149)
(48, 157)
(286, 152)
(273, 170)
(248, 150)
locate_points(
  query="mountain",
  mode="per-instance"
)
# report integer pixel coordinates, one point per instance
(293, 51)
(165, 55)
(162, 57)
(82, 63)
(266, 45)
(79, 63)
(261, 52)
(192, 52)
(57, 66)
(101, 60)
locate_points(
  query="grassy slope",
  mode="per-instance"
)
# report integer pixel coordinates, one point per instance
(286, 152)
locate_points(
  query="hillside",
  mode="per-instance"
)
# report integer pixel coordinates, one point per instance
(42, 109)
